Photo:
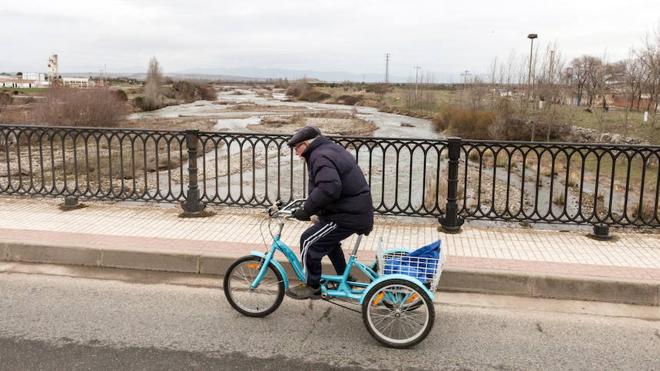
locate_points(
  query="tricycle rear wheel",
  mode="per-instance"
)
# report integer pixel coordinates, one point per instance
(398, 313)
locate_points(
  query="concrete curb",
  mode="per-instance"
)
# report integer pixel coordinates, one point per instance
(475, 281)
(556, 287)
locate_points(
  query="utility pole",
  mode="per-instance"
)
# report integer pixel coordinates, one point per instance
(387, 68)
(552, 65)
(417, 68)
(465, 76)
(530, 81)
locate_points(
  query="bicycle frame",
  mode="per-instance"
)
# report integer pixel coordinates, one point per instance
(344, 289)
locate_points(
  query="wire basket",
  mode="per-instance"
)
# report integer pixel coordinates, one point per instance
(397, 261)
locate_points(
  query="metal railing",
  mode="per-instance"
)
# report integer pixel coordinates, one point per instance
(452, 179)
(560, 182)
(92, 163)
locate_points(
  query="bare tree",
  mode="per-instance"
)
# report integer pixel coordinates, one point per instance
(579, 73)
(493, 83)
(97, 107)
(549, 89)
(649, 57)
(593, 77)
(153, 98)
(630, 86)
(633, 78)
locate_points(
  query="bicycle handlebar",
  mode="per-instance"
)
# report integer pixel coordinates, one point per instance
(277, 210)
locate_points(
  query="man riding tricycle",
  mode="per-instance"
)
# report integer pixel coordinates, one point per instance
(395, 292)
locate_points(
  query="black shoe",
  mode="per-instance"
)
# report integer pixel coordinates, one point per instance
(303, 291)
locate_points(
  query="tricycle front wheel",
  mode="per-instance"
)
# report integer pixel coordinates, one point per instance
(398, 313)
(260, 301)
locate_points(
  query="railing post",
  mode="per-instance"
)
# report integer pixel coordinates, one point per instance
(192, 206)
(451, 222)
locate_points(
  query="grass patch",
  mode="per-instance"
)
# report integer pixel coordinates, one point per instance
(24, 90)
(559, 199)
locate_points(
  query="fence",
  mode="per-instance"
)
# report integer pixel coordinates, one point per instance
(452, 179)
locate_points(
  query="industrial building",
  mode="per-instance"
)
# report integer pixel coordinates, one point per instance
(41, 80)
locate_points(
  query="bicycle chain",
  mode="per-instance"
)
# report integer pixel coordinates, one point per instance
(342, 306)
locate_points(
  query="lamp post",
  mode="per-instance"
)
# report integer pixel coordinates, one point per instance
(530, 81)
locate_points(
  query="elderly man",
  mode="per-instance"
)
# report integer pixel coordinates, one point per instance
(339, 195)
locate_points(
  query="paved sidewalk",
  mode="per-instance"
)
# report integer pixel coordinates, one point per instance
(146, 227)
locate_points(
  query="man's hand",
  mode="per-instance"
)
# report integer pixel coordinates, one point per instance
(301, 214)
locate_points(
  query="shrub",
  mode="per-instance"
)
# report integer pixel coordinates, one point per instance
(121, 95)
(647, 211)
(16, 115)
(184, 90)
(465, 123)
(189, 92)
(302, 90)
(474, 156)
(314, 96)
(81, 107)
(138, 102)
(559, 199)
(298, 88)
(477, 124)
(350, 100)
(207, 92)
(282, 84)
(516, 129)
(5, 99)
(511, 129)
(441, 121)
(378, 88)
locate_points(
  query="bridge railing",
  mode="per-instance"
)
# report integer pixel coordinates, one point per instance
(450, 179)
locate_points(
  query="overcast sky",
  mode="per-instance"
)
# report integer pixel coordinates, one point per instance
(443, 37)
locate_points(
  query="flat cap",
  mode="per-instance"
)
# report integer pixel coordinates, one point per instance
(305, 133)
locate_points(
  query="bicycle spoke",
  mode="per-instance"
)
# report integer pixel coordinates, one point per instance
(253, 299)
(394, 318)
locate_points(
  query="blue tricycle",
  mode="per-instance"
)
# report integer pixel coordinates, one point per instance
(395, 291)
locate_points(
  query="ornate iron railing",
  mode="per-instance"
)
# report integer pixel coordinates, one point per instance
(92, 163)
(560, 182)
(453, 179)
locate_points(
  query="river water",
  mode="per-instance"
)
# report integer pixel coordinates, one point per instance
(388, 125)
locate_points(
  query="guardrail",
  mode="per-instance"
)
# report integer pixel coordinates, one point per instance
(449, 179)
(560, 182)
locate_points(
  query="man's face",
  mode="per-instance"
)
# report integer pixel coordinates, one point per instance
(300, 148)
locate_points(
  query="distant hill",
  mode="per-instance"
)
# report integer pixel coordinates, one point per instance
(252, 74)
(273, 73)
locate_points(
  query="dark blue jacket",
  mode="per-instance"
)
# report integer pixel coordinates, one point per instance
(338, 191)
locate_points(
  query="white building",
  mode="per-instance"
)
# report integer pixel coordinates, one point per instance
(17, 82)
(38, 79)
(41, 78)
(78, 82)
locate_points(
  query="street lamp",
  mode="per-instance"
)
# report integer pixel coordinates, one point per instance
(530, 82)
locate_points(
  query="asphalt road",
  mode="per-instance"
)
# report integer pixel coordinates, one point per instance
(74, 323)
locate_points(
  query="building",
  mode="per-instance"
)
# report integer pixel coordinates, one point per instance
(39, 79)
(17, 82)
(77, 82)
